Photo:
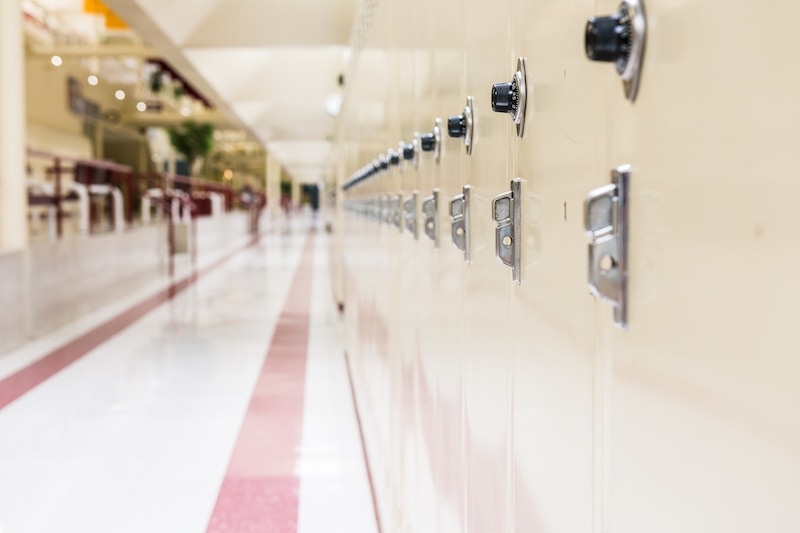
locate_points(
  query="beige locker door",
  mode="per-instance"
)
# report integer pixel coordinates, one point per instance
(701, 418)
(488, 284)
(441, 364)
(554, 370)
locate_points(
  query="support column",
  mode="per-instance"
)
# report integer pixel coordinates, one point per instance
(273, 186)
(13, 195)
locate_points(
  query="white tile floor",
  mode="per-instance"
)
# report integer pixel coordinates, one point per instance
(136, 435)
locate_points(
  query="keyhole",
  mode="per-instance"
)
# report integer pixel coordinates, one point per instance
(607, 263)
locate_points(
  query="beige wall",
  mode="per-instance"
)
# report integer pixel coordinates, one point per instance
(491, 406)
(13, 299)
(52, 125)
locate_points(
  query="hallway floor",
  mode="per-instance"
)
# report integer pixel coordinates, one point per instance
(218, 403)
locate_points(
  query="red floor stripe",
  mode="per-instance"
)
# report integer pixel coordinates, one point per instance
(33, 375)
(260, 492)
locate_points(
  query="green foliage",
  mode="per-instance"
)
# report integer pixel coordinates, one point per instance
(191, 139)
(156, 81)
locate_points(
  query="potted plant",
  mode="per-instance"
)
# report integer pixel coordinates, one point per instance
(194, 141)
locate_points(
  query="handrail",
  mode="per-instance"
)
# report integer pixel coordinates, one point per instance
(128, 180)
(96, 163)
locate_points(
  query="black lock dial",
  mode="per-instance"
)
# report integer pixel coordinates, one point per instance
(620, 39)
(394, 158)
(428, 142)
(505, 97)
(512, 97)
(457, 126)
(408, 152)
(609, 38)
(383, 162)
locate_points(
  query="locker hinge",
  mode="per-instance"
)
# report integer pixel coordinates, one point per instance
(507, 213)
(459, 216)
(430, 212)
(410, 208)
(606, 220)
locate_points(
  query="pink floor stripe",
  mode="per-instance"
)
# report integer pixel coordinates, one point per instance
(260, 492)
(24, 380)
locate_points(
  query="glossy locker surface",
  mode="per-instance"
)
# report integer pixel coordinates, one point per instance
(503, 407)
(554, 365)
(488, 284)
(703, 429)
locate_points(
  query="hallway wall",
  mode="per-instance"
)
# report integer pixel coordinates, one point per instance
(494, 406)
(55, 282)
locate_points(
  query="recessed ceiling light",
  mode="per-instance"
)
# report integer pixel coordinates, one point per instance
(56, 61)
(92, 80)
(185, 111)
(141, 106)
(120, 94)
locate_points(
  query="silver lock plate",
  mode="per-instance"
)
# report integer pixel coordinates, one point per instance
(459, 218)
(410, 209)
(469, 119)
(633, 68)
(507, 214)
(430, 213)
(437, 134)
(521, 77)
(606, 222)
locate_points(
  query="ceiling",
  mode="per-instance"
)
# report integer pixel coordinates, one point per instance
(270, 65)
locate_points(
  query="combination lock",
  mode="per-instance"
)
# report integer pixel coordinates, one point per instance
(512, 97)
(619, 39)
(407, 151)
(432, 142)
(463, 125)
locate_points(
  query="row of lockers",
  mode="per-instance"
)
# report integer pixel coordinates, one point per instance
(492, 405)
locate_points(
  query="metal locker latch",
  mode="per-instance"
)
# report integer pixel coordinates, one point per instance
(507, 214)
(430, 212)
(375, 209)
(606, 221)
(459, 216)
(397, 212)
(410, 208)
(386, 209)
